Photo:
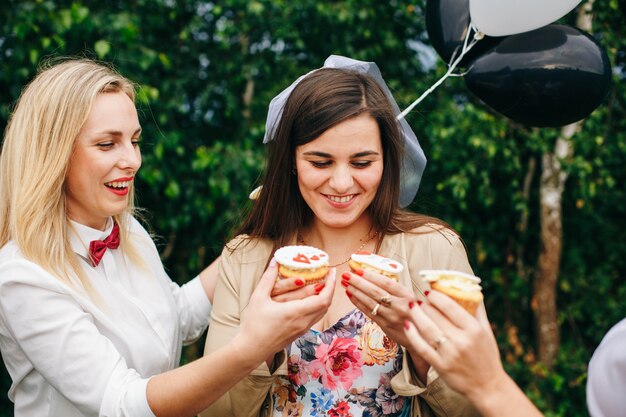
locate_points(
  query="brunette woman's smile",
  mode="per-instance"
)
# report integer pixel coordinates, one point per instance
(341, 202)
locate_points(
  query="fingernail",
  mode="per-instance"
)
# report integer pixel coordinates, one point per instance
(359, 272)
(411, 304)
(299, 282)
(419, 302)
(407, 325)
(349, 294)
(344, 283)
(273, 263)
(319, 287)
(346, 276)
(426, 293)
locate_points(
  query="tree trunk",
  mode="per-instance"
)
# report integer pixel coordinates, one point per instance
(544, 298)
(553, 180)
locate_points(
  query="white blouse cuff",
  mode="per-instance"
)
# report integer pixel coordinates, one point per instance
(131, 401)
(138, 398)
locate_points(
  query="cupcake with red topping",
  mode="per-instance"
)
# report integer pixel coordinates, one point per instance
(377, 263)
(306, 262)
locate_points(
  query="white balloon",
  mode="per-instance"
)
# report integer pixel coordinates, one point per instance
(508, 17)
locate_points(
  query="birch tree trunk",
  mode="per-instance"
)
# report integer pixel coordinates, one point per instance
(553, 179)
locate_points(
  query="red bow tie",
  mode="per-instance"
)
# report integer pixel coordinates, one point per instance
(98, 247)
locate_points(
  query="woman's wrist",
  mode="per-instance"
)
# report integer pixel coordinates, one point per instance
(250, 357)
(489, 385)
(498, 395)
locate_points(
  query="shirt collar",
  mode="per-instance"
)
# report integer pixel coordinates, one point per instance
(81, 236)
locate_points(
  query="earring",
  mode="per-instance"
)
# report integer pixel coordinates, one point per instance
(294, 171)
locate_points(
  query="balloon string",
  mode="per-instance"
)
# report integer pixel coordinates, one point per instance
(456, 60)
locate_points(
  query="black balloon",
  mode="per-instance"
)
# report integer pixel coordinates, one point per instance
(547, 77)
(447, 23)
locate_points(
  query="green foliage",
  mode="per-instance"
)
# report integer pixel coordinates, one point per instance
(206, 72)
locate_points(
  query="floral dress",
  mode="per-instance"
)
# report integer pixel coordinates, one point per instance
(344, 371)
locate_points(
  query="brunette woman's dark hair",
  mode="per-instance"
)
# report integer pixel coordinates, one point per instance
(320, 101)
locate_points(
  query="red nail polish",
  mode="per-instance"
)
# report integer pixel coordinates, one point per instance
(419, 302)
(299, 282)
(426, 293)
(345, 284)
(411, 304)
(349, 294)
(359, 272)
(346, 276)
(319, 287)
(407, 325)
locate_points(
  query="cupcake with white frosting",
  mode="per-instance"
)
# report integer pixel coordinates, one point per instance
(463, 288)
(306, 262)
(377, 263)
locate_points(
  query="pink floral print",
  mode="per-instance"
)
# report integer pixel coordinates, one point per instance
(337, 364)
(345, 371)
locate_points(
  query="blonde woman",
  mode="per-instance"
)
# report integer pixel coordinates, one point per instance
(90, 323)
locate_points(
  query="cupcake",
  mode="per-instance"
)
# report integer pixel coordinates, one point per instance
(377, 263)
(306, 262)
(461, 287)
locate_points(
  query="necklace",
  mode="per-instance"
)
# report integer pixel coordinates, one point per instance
(302, 242)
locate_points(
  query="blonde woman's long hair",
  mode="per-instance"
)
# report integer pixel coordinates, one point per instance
(38, 143)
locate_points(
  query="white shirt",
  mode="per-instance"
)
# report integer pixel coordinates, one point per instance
(606, 381)
(70, 356)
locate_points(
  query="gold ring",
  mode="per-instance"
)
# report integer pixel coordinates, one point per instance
(375, 310)
(386, 300)
(437, 343)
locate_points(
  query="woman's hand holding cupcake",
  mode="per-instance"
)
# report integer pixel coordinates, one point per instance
(461, 347)
(386, 302)
(272, 325)
(464, 352)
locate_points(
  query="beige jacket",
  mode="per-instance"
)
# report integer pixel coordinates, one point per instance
(239, 273)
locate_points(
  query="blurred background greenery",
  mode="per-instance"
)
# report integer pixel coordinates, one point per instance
(206, 72)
